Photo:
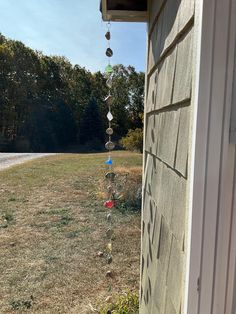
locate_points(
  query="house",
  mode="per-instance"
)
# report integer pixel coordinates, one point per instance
(188, 258)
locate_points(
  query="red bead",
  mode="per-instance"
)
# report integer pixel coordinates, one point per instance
(109, 204)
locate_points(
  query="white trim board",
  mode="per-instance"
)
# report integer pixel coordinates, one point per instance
(213, 161)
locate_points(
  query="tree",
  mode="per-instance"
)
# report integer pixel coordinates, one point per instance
(136, 97)
(45, 100)
(128, 91)
(100, 91)
(6, 107)
(91, 127)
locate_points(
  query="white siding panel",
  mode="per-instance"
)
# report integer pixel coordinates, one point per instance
(214, 165)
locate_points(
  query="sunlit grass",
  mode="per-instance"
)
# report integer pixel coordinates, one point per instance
(51, 227)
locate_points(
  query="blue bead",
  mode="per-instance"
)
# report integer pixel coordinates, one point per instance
(109, 162)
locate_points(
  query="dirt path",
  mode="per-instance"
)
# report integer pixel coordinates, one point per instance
(10, 159)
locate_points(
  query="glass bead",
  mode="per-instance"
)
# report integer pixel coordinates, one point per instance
(108, 35)
(109, 131)
(109, 116)
(109, 274)
(109, 204)
(109, 82)
(109, 217)
(109, 161)
(109, 233)
(109, 52)
(109, 259)
(109, 100)
(109, 247)
(110, 175)
(110, 145)
(109, 69)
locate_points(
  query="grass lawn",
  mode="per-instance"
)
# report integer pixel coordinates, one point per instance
(52, 227)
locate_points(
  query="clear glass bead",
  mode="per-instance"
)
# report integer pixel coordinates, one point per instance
(109, 116)
(109, 259)
(109, 217)
(110, 145)
(109, 82)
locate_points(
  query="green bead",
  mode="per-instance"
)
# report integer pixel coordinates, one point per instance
(109, 69)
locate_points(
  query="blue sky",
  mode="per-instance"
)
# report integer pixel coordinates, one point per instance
(72, 28)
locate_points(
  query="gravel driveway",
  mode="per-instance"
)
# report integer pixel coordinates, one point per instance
(10, 159)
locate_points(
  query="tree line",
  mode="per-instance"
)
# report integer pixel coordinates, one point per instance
(47, 104)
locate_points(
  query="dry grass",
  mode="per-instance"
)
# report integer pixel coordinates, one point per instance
(51, 228)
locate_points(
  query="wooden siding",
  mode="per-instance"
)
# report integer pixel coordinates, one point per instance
(190, 165)
(168, 115)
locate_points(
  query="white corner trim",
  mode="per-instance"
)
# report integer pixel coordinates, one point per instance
(212, 159)
(194, 222)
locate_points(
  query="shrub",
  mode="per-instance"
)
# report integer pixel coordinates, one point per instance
(133, 140)
(125, 304)
(127, 187)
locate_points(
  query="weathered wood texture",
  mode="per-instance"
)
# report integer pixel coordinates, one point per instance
(167, 121)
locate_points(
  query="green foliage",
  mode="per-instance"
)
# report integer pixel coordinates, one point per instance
(125, 304)
(133, 140)
(44, 100)
(128, 92)
(91, 128)
(22, 305)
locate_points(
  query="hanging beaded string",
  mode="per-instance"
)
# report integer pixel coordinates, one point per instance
(110, 175)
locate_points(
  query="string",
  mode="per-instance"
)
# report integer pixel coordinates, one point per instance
(109, 146)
